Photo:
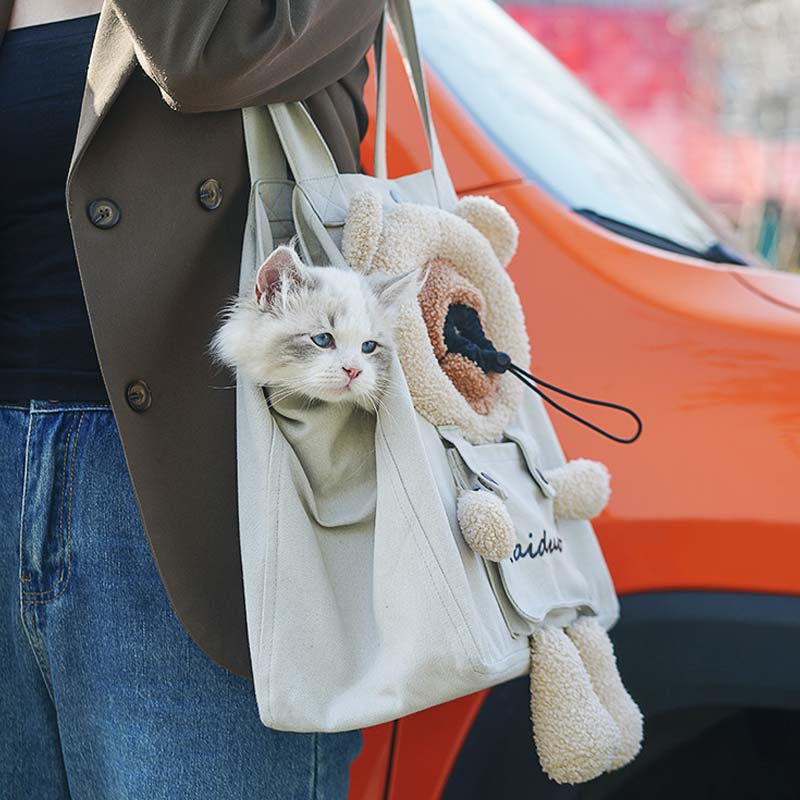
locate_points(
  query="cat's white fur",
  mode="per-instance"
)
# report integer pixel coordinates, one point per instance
(266, 335)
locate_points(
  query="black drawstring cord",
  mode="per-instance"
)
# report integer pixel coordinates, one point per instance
(463, 334)
(523, 376)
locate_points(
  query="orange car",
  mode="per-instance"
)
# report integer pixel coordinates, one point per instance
(634, 292)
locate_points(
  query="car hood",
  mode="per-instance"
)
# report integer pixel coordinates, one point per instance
(781, 288)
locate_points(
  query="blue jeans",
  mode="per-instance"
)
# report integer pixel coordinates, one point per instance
(104, 696)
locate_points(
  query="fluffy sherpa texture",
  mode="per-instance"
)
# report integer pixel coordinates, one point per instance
(478, 387)
(597, 654)
(444, 287)
(494, 222)
(486, 524)
(582, 488)
(576, 737)
(412, 236)
(360, 240)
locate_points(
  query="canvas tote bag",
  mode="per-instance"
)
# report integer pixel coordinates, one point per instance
(363, 601)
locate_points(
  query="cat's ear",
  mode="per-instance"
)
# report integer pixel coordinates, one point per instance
(494, 222)
(282, 264)
(393, 291)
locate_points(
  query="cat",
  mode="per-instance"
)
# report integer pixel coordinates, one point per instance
(320, 333)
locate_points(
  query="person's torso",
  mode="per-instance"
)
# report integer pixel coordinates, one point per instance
(154, 278)
(46, 347)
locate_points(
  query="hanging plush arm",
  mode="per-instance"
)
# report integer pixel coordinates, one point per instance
(582, 488)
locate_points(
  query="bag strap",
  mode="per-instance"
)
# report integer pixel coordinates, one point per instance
(265, 158)
(409, 49)
(381, 68)
(310, 160)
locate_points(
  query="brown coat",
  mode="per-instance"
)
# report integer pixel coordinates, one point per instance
(155, 280)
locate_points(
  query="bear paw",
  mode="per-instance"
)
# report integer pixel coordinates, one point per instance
(486, 525)
(583, 488)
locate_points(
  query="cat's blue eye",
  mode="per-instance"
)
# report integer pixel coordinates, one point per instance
(322, 340)
(369, 347)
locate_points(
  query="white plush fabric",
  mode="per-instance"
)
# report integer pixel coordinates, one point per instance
(494, 222)
(486, 524)
(362, 232)
(597, 654)
(576, 737)
(583, 488)
(410, 236)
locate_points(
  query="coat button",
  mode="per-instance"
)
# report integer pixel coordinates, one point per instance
(210, 194)
(103, 213)
(138, 395)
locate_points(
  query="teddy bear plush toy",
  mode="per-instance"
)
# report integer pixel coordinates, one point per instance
(584, 721)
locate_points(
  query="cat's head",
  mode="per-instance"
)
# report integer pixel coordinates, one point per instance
(318, 332)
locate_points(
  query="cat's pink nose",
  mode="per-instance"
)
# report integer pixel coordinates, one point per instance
(352, 372)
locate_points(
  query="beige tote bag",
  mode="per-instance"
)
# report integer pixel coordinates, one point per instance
(363, 601)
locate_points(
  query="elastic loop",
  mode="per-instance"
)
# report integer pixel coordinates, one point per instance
(523, 376)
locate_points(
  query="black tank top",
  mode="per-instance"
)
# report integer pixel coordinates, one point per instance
(46, 346)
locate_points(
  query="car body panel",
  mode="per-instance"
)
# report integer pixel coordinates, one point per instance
(369, 772)
(781, 288)
(701, 500)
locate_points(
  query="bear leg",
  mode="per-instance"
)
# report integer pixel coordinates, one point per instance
(597, 653)
(576, 737)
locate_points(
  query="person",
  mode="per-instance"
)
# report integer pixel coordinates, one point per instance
(124, 646)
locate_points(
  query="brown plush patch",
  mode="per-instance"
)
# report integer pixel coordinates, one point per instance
(445, 287)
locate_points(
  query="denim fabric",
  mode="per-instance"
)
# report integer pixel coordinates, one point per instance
(104, 694)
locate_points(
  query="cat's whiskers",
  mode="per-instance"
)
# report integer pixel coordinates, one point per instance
(277, 395)
(381, 409)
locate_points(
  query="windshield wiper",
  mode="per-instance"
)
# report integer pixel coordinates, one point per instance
(718, 252)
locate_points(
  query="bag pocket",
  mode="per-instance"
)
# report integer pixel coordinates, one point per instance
(543, 576)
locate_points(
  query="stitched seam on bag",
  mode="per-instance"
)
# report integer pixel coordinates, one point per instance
(275, 446)
(454, 624)
(278, 202)
(458, 470)
(502, 663)
(326, 197)
(476, 667)
(431, 552)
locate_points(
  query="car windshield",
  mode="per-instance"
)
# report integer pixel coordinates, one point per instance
(556, 132)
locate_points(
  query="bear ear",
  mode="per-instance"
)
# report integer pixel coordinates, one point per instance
(362, 230)
(494, 222)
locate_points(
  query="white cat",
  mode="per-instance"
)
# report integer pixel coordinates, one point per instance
(323, 333)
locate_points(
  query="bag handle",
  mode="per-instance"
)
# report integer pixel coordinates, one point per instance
(265, 158)
(308, 155)
(409, 49)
